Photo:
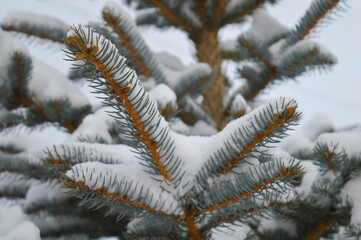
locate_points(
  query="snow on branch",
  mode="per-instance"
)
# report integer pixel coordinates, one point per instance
(166, 100)
(266, 28)
(153, 230)
(338, 151)
(19, 74)
(238, 107)
(256, 48)
(273, 64)
(23, 229)
(133, 42)
(14, 118)
(46, 93)
(123, 86)
(262, 180)
(305, 55)
(193, 112)
(118, 183)
(35, 25)
(76, 227)
(258, 77)
(22, 163)
(43, 194)
(63, 157)
(190, 80)
(97, 127)
(152, 16)
(232, 217)
(14, 185)
(241, 137)
(230, 51)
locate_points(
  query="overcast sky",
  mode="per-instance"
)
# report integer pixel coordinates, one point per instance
(336, 93)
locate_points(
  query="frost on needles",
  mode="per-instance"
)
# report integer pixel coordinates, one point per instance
(172, 153)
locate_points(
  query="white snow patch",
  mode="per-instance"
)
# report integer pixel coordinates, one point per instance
(272, 224)
(49, 191)
(303, 140)
(163, 95)
(178, 77)
(169, 60)
(266, 27)
(351, 191)
(311, 173)
(48, 84)
(94, 125)
(230, 45)
(24, 140)
(116, 11)
(188, 13)
(193, 150)
(11, 215)
(35, 20)
(201, 128)
(24, 231)
(91, 152)
(179, 126)
(239, 103)
(9, 45)
(276, 50)
(350, 141)
(230, 232)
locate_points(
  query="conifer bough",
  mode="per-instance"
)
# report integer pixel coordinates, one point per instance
(159, 151)
(158, 158)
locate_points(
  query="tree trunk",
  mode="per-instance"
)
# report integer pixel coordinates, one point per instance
(208, 51)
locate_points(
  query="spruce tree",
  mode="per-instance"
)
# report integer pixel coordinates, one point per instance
(173, 153)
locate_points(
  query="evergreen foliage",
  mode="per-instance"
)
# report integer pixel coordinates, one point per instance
(173, 153)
